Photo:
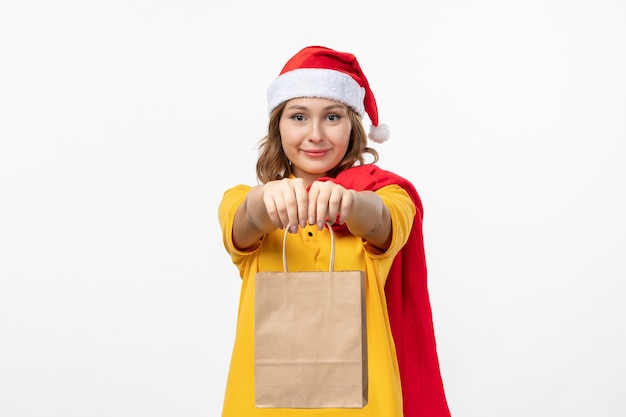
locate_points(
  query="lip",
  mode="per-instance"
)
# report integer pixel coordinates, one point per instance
(315, 153)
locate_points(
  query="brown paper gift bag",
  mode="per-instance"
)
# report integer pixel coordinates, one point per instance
(310, 338)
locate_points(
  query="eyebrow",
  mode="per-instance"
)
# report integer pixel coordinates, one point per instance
(331, 107)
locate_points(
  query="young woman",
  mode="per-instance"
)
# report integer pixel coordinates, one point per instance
(314, 169)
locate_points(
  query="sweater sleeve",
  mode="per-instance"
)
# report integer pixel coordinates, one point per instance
(402, 212)
(231, 200)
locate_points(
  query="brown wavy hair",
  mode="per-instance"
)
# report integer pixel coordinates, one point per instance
(273, 163)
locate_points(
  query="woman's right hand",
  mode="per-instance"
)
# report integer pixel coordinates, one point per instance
(285, 203)
(276, 204)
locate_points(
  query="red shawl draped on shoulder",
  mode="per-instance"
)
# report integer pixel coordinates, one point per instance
(408, 304)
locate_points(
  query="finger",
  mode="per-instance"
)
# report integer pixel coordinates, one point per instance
(347, 202)
(273, 210)
(321, 207)
(334, 204)
(302, 202)
(289, 214)
(313, 195)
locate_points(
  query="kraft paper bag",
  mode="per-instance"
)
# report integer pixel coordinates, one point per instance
(310, 339)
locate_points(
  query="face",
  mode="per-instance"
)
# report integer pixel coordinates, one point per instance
(315, 135)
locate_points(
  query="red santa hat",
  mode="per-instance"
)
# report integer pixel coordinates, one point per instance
(317, 71)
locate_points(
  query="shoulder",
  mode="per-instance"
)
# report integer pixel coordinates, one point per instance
(372, 177)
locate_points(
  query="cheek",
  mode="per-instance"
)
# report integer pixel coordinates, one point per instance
(287, 133)
(287, 143)
(285, 140)
(283, 127)
(346, 137)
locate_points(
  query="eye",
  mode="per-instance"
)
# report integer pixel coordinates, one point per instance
(333, 117)
(297, 117)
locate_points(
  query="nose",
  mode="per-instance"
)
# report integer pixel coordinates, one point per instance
(315, 133)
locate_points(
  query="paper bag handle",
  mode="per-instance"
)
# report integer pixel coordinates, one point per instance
(332, 248)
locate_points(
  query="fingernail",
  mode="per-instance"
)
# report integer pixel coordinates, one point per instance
(311, 220)
(293, 229)
(320, 226)
(303, 224)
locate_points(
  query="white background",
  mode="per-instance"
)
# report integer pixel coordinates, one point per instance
(122, 122)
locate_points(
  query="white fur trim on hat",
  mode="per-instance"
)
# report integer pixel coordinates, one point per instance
(316, 82)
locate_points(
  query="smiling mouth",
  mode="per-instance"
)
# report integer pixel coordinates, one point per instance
(316, 153)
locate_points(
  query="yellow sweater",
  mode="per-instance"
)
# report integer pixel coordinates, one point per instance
(309, 250)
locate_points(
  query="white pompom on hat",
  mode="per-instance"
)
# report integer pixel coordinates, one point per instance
(317, 71)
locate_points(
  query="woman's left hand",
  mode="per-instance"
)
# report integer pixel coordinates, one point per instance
(329, 202)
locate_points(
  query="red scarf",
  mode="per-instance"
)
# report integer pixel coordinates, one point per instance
(408, 303)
